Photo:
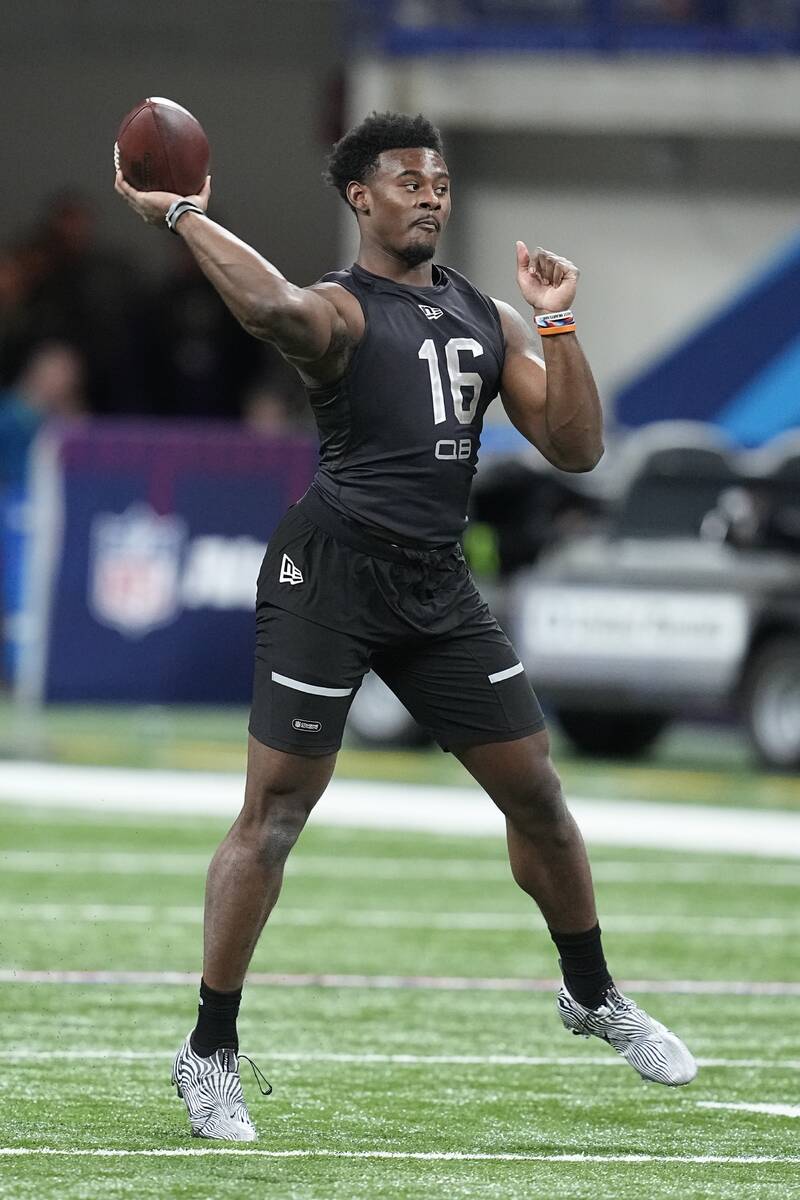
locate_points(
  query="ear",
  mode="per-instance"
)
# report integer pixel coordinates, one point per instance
(358, 197)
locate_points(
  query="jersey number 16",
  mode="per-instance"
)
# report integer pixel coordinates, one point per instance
(464, 406)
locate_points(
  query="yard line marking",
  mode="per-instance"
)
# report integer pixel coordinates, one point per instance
(467, 922)
(426, 808)
(410, 1155)
(22, 1054)
(114, 862)
(771, 1110)
(450, 983)
(102, 863)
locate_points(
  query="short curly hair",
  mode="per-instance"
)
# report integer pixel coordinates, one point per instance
(355, 156)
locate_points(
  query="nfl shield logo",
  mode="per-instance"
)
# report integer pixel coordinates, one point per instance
(134, 569)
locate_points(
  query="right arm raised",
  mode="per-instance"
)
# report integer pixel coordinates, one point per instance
(315, 328)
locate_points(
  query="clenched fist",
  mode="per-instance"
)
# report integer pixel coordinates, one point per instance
(547, 281)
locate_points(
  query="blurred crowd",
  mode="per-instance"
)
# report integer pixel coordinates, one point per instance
(781, 14)
(83, 332)
(741, 13)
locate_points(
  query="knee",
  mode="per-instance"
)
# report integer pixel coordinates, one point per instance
(273, 824)
(537, 805)
(281, 791)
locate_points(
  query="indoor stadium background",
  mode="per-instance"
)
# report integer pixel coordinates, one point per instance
(401, 1001)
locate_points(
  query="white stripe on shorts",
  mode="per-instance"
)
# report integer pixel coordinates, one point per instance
(299, 686)
(499, 675)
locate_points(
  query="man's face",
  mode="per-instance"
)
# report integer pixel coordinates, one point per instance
(408, 202)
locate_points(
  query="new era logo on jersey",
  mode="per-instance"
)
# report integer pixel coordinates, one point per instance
(289, 572)
(432, 314)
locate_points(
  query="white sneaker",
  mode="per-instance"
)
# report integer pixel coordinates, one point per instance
(650, 1048)
(212, 1092)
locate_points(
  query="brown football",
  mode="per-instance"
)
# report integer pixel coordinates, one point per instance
(161, 147)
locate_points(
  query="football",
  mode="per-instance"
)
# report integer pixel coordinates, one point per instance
(161, 147)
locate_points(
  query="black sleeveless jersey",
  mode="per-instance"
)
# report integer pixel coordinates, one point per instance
(400, 431)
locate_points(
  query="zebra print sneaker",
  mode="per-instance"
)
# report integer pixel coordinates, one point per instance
(212, 1092)
(650, 1048)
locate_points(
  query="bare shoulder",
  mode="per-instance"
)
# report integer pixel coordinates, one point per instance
(517, 332)
(347, 327)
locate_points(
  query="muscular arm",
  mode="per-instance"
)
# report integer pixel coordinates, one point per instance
(315, 328)
(553, 403)
(303, 323)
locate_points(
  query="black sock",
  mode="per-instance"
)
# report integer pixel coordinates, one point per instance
(216, 1021)
(583, 966)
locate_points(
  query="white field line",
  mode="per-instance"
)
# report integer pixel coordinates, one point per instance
(349, 867)
(410, 1155)
(151, 914)
(92, 1054)
(770, 1110)
(449, 983)
(404, 806)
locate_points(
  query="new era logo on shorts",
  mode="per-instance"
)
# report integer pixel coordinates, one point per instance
(289, 572)
(432, 314)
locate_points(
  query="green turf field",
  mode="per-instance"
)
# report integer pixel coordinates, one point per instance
(403, 1070)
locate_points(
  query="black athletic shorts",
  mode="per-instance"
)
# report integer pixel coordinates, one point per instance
(335, 600)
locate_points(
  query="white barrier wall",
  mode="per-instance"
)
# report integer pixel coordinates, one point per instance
(652, 266)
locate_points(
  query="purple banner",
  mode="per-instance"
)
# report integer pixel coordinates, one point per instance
(150, 537)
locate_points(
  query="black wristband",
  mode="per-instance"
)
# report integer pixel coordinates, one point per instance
(176, 211)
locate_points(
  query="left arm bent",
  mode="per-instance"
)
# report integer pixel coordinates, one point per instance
(553, 403)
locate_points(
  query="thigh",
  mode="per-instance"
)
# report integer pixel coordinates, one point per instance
(305, 679)
(466, 688)
(519, 776)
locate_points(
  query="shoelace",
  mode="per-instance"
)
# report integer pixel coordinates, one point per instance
(585, 1027)
(259, 1075)
(623, 1005)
